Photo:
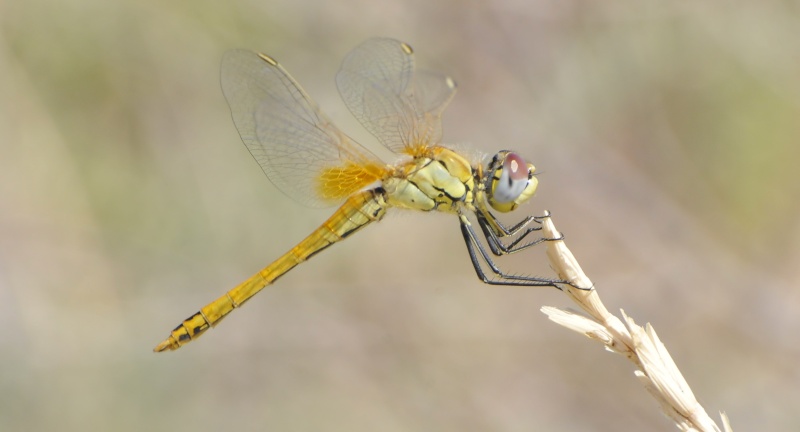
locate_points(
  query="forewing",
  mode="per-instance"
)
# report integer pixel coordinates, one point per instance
(401, 108)
(293, 142)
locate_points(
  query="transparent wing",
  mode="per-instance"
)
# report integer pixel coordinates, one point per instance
(401, 108)
(293, 142)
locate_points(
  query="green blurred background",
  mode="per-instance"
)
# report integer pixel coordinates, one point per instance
(668, 142)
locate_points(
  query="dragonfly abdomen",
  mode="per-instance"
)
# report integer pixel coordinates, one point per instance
(357, 212)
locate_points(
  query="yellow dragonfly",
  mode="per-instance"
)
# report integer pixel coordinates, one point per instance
(312, 161)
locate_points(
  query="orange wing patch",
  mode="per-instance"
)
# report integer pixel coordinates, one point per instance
(423, 137)
(417, 149)
(339, 182)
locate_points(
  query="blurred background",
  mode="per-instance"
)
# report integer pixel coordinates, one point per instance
(667, 140)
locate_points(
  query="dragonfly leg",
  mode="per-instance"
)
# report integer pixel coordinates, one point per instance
(477, 252)
(490, 225)
(502, 231)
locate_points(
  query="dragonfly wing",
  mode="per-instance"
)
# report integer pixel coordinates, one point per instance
(401, 108)
(287, 134)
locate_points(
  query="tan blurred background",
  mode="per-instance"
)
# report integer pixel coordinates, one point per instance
(668, 141)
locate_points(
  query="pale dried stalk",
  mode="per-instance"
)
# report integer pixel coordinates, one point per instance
(656, 370)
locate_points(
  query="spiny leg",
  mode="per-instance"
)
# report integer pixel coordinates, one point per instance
(501, 230)
(473, 242)
(498, 227)
(487, 222)
(493, 237)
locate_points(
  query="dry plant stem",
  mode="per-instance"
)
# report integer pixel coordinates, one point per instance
(656, 370)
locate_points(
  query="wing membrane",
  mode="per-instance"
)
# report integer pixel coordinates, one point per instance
(401, 108)
(295, 144)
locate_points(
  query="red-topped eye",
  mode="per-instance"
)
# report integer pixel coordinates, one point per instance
(510, 179)
(515, 166)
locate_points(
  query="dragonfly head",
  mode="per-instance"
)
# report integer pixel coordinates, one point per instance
(509, 181)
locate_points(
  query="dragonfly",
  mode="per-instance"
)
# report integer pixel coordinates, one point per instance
(312, 161)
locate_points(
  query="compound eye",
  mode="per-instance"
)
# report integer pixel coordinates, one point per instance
(512, 181)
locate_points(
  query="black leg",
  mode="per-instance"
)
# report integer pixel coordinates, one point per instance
(501, 230)
(473, 244)
(493, 237)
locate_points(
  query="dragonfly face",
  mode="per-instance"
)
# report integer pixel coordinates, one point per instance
(312, 161)
(509, 181)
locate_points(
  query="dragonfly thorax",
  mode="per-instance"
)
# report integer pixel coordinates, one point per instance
(439, 181)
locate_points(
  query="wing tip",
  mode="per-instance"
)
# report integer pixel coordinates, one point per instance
(268, 59)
